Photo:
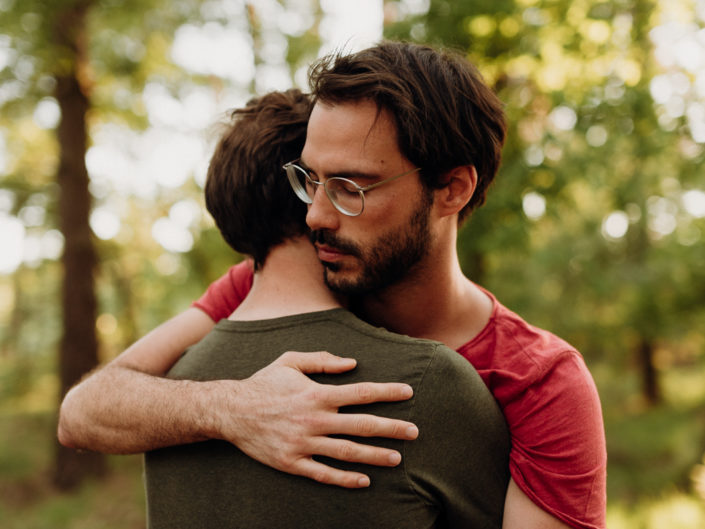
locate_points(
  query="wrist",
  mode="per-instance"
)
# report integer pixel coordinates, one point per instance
(217, 409)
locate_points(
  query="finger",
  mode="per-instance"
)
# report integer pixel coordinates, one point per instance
(316, 362)
(329, 475)
(361, 425)
(352, 452)
(366, 392)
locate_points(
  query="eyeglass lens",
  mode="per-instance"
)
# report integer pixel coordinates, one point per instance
(342, 193)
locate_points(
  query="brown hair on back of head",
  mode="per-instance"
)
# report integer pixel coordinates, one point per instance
(247, 192)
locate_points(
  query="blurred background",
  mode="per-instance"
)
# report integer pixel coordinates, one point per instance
(594, 229)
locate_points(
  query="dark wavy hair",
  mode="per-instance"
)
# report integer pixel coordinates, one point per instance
(445, 114)
(247, 192)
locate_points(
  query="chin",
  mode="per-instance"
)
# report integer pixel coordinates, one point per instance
(342, 283)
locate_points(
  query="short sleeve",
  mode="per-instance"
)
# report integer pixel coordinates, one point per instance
(558, 455)
(226, 293)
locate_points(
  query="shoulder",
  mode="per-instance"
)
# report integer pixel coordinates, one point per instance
(451, 386)
(530, 348)
(530, 370)
(512, 355)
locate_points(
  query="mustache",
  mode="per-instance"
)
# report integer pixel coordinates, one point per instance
(325, 237)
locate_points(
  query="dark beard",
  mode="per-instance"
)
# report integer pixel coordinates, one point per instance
(387, 263)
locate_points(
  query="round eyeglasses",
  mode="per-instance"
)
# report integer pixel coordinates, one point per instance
(346, 196)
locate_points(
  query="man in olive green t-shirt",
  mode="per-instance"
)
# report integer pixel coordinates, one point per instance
(454, 475)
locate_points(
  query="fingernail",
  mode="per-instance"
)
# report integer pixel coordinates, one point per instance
(412, 432)
(364, 482)
(395, 458)
(407, 391)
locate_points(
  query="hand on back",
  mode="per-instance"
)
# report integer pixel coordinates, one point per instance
(282, 418)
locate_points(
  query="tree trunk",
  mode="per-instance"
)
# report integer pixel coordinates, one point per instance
(8, 343)
(78, 351)
(651, 389)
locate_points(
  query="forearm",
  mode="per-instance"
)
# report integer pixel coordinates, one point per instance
(119, 410)
(127, 407)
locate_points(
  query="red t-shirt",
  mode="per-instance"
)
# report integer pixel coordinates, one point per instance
(549, 400)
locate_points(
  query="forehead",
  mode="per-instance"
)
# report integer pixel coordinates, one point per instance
(351, 136)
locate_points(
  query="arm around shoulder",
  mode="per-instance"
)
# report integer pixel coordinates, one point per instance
(278, 416)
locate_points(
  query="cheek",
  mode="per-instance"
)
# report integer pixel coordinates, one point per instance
(385, 215)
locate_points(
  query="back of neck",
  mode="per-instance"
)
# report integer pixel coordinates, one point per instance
(290, 282)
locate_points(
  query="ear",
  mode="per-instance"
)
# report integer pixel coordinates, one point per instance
(461, 183)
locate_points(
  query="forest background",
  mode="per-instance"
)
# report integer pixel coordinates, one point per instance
(594, 229)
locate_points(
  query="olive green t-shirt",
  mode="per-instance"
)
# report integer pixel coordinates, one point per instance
(454, 475)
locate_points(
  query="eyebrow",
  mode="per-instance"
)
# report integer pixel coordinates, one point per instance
(342, 174)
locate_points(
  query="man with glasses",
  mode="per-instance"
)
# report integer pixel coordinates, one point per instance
(402, 144)
(213, 484)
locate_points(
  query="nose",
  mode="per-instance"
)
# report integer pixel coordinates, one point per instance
(321, 212)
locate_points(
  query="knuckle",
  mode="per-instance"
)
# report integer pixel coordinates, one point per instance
(316, 393)
(283, 463)
(287, 457)
(313, 423)
(365, 392)
(397, 430)
(347, 452)
(286, 357)
(322, 476)
(365, 426)
(319, 395)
